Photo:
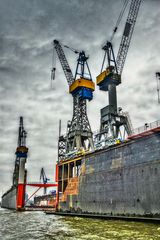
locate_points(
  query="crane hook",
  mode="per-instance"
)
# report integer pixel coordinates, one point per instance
(53, 71)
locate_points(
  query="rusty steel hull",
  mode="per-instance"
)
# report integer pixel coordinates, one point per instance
(120, 180)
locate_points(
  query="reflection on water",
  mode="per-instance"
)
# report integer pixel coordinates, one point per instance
(37, 225)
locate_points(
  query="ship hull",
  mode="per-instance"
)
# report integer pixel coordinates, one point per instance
(9, 199)
(121, 180)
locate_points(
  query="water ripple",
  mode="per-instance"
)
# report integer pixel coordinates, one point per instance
(37, 225)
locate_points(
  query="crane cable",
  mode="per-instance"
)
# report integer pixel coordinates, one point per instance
(53, 66)
(158, 85)
(119, 19)
(72, 49)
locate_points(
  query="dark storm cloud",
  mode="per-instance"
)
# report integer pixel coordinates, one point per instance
(27, 29)
(7, 70)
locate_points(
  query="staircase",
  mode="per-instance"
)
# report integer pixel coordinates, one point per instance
(71, 189)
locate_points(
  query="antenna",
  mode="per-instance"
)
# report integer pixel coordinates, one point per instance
(158, 85)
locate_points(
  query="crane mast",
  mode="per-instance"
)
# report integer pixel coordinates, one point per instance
(44, 178)
(22, 134)
(112, 118)
(78, 130)
(21, 150)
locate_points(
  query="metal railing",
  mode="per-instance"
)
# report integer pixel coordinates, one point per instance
(100, 143)
(146, 127)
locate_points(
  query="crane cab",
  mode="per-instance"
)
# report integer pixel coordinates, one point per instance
(108, 77)
(83, 87)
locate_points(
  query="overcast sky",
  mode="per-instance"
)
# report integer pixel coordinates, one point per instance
(27, 29)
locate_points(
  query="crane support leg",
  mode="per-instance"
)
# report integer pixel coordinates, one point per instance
(79, 130)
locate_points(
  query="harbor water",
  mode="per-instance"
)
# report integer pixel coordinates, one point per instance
(37, 225)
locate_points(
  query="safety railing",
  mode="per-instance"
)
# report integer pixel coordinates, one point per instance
(146, 127)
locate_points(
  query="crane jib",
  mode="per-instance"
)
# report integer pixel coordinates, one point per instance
(104, 79)
(68, 70)
(127, 34)
(64, 62)
(127, 29)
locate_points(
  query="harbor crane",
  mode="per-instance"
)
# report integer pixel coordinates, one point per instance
(112, 118)
(81, 87)
(21, 151)
(44, 178)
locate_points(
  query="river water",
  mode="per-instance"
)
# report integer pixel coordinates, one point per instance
(37, 225)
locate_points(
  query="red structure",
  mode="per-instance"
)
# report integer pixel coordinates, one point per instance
(20, 196)
(39, 185)
(42, 185)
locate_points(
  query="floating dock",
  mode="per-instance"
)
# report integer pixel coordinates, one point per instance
(120, 180)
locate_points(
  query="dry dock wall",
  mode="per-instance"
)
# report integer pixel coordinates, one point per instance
(9, 199)
(122, 180)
